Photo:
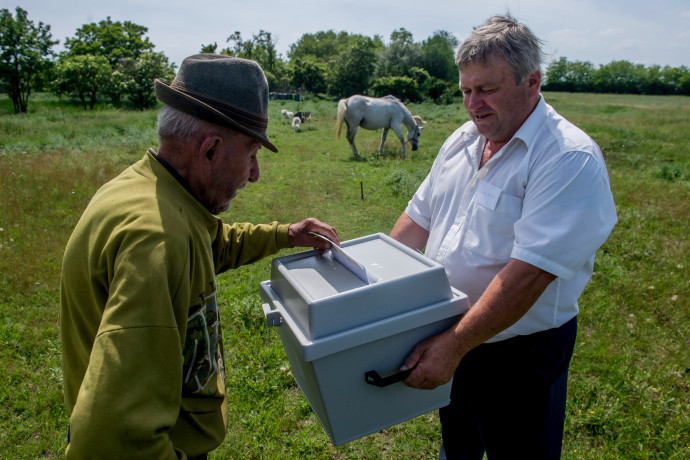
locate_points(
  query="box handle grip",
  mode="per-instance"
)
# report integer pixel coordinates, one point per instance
(373, 377)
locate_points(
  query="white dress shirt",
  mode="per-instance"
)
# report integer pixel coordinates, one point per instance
(544, 199)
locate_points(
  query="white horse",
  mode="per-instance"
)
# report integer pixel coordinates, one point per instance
(374, 113)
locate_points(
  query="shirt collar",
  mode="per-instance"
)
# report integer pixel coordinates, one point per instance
(528, 130)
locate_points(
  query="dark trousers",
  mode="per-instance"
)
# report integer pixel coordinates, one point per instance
(508, 398)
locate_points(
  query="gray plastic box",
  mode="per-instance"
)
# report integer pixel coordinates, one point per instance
(334, 370)
(324, 298)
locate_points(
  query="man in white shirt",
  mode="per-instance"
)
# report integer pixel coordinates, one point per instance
(515, 207)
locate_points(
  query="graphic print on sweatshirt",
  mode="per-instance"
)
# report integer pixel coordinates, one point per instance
(202, 355)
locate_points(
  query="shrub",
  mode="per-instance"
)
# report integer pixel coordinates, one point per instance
(272, 80)
(403, 88)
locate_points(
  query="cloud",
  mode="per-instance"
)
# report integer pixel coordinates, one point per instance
(610, 32)
(630, 43)
(573, 37)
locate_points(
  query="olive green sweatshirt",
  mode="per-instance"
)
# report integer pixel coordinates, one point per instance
(140, 328)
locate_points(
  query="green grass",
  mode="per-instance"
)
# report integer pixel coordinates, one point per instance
(629, 383)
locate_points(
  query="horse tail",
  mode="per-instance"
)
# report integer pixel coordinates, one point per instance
(342, 108)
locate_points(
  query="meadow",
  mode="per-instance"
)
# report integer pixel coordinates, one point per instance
(630, 374)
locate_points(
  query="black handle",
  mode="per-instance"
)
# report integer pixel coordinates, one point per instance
(373, 378)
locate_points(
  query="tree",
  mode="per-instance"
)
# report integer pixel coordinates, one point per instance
(24, 52)
(562, 75)
(261, 48)
(139, 75)
(116, 41)
(350, 71)
(556, 75)
(683, 86)
(619, 77)
(116, 85)
(309, 74)
(676, 80)
(321, 45)
(401, 55)
(438, 57)
(210, 49)
(83, 76)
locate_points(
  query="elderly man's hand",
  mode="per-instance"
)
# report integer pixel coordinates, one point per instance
(435, 358)
(298, 234)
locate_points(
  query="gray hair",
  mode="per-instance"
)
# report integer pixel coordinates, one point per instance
(173, 123)
(502, 37)
(176, 124)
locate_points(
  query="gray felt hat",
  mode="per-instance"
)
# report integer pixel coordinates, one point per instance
(224, 90)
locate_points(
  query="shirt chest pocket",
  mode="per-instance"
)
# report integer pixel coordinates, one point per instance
(490, 232)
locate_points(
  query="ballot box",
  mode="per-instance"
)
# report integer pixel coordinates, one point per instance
(347, 330)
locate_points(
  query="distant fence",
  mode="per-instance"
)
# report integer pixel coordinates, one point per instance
(283, 96)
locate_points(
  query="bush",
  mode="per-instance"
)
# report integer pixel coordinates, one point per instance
(669, 173)
(272, 80)
(403, 183)
(309, 74)
(403, 88)
(419, 75)
(434, 88)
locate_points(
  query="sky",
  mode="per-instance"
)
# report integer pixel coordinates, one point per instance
(652, 32)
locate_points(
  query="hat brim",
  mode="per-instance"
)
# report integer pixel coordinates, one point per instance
(188, 104)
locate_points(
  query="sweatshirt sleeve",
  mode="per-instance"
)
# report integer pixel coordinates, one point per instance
(244, 243)
(135, 424)
(129, 399)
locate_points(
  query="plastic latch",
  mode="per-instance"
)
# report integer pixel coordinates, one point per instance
(274, 318)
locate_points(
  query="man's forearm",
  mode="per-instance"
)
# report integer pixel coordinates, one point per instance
(511, 293)
(409, 233)
(507, 298)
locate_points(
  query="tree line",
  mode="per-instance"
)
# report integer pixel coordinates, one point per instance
(616, 77)
(115, 60)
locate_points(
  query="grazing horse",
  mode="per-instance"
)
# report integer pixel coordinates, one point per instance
(374, 113)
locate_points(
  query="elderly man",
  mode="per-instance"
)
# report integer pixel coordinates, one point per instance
(140, 325)
(515, 206)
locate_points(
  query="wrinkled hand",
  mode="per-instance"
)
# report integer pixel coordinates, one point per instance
(298, 234)
(436, 359)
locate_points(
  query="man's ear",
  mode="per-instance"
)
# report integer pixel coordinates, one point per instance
(208, 146)
(534, 80)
